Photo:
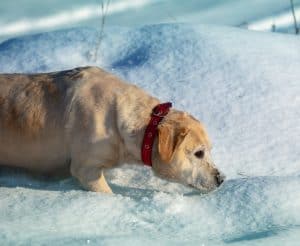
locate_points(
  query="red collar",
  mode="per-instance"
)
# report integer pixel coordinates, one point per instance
(158, 113)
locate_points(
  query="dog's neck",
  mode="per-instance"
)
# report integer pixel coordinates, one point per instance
(133, 117)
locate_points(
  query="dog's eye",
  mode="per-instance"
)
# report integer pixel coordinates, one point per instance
(199, 154)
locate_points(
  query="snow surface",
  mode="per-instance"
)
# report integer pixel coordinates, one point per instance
(243, 85)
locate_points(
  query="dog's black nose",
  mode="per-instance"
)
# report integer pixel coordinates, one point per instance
(219, 178)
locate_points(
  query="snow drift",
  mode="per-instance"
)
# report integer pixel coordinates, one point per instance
(244, 86)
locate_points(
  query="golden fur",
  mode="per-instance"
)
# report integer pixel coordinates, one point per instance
(86, 120)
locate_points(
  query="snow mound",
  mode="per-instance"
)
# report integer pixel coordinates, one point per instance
(243, 85)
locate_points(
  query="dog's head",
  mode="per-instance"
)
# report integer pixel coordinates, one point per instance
(184, 153)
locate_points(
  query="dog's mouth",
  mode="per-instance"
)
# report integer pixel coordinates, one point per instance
(206, 184)
(199, 185)
(203, 188)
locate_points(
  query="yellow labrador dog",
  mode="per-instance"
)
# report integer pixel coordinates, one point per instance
(86, 120)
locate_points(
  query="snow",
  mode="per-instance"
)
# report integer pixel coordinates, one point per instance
(243, 85)
(38, 16)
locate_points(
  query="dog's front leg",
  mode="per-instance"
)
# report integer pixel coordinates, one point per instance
(92, 178)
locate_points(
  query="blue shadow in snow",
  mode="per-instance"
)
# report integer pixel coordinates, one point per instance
(276, 230)
(18, 177)
(134, 59)
(253, 236)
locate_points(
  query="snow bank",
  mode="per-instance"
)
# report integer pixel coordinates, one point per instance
(243, 85)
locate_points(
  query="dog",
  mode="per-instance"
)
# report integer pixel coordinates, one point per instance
(86, 120)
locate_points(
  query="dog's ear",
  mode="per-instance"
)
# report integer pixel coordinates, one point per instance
(169, 139)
